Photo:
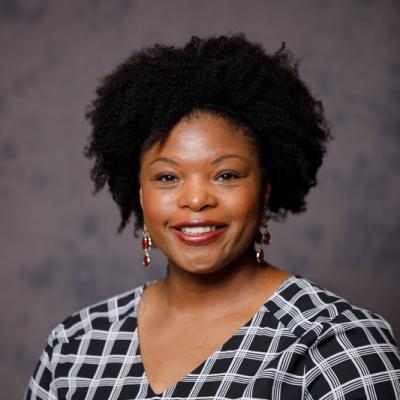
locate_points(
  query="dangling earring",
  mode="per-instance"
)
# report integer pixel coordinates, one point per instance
(146, 245)
(265, 238)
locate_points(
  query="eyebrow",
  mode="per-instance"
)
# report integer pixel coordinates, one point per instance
(225, 156)
(164, 159)
(216, 161)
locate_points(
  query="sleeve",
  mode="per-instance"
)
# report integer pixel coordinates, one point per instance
(353, 358)
(39, 386)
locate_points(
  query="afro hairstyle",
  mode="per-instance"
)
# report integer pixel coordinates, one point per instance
(144, 97)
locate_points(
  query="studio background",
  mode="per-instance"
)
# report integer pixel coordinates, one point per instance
(59, 247)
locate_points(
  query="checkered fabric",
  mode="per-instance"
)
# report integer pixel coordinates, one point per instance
(303, 343)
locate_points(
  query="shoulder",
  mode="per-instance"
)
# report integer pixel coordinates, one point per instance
(304, 306)
(101, 316)
(346, 350)
(83, 332)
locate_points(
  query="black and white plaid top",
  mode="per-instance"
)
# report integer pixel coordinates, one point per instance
(303, 343)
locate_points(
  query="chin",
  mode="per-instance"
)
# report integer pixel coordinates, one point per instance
(201, 267)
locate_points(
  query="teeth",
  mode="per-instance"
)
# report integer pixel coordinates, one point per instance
(198, 230)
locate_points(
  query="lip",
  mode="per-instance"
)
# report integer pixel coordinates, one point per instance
(201, 238)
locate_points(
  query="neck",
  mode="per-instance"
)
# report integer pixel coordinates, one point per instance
(188, 293)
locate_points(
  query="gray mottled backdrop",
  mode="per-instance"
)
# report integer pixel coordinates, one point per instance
(59, 247)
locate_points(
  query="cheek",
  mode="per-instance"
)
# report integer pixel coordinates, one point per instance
(244, 204)
(157, 206)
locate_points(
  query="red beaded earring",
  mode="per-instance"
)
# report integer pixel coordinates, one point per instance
(146, 245)
(265, 238)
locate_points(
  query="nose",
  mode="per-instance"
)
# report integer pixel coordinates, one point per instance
(197, 195)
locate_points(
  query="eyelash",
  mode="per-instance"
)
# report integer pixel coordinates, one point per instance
(229, 176)
(166, 178)
(223, 176)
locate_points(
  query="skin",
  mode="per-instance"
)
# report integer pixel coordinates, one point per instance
(205, 169)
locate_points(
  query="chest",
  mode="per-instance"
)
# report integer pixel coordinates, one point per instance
(171, 350)
(247, 365)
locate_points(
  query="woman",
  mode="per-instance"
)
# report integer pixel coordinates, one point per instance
(202, 144)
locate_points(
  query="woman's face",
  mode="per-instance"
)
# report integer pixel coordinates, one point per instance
(201, 193)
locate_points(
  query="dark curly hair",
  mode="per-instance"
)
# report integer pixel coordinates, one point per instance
(144, 97)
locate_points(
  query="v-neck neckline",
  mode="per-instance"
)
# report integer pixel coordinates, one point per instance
(171, 388)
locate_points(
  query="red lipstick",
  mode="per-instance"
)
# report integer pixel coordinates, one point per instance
(198, 232)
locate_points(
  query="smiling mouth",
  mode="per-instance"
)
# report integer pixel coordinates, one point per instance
(199, 235)
(198, 230)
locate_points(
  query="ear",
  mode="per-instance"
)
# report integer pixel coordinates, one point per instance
(266, 192)
(140, 197)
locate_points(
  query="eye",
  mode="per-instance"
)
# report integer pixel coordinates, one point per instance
(227, 176)
(166, 178)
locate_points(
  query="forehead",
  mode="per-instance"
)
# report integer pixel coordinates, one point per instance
(201, 136)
